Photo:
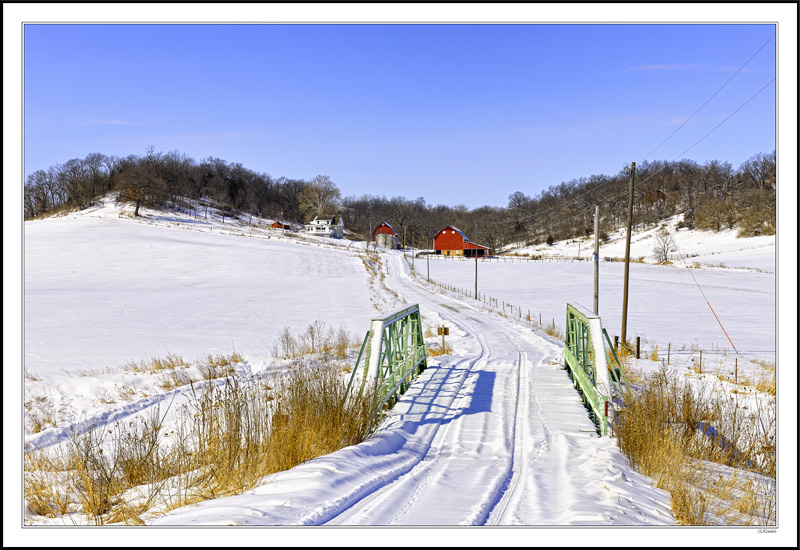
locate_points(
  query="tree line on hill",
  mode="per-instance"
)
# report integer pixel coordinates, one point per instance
(712, 196)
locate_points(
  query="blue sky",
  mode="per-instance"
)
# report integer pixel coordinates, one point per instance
(457, 114)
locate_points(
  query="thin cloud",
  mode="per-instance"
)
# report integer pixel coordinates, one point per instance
(120, 122)
(108, 122)
(732, 69)
(192, 137)
(675, 120)
(661, 67)
(613, 122)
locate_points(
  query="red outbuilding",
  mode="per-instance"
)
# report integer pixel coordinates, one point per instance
(451, 241)
(383, 229)
(385, 235)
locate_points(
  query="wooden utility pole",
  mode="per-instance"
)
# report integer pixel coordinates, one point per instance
(596, 258)
(428, 257)
(627, 258)
(476, 260)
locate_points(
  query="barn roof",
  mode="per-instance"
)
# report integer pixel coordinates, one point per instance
(456, 229)
(387, 225)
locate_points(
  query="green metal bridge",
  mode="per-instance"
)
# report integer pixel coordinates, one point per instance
(392, 355)
(594, 368)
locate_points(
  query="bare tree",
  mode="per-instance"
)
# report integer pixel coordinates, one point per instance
(74, 177)
(317, 196)
(37, 198)
(663, 246)
(760, 170)
(140, 182)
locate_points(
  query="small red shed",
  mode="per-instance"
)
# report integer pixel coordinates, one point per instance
(451, 241)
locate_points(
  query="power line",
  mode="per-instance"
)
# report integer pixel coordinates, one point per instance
(710, 98)
(576, 197)
(729, 116)
(680, 254)
(652, 175)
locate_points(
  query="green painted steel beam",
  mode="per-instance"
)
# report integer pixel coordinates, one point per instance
(580, 360)
(396, 352)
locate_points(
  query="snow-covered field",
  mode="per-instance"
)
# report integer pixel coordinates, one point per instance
(476, 440)
(101, 290)
(660, 298)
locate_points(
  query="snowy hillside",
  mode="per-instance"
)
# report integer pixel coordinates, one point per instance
(707, 248)
(491, 434)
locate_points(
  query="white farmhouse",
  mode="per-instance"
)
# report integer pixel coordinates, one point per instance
(326, 227)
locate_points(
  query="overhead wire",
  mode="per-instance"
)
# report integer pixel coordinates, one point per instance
(652, 175)
(710, 98)
(680, 255)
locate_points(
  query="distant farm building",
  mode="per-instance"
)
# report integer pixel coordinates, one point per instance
(451, 241)
(326, 227)
(384, 235)
(281, 225)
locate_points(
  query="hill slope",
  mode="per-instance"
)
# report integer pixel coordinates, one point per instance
(102, 289)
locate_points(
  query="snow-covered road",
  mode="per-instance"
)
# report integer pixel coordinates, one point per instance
(509, 441)
(492, 435)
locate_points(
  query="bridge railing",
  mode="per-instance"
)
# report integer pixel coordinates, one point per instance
(392, 355)
(596, 374)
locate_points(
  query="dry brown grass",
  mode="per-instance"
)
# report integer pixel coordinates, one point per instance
(155, 364)
(317, 340)
(664, 431)
(226, 439)
(554, 331)
(174, 371)
(435, 350)
(40, 413)
(765, 379)
(175, 379)
(43, 494)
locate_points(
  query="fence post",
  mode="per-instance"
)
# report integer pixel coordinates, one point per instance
(669, 344)
(637, 347)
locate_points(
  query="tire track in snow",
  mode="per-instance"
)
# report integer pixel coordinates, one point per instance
(526, 440)
(420, 475)
(548, 427)
(459, 443)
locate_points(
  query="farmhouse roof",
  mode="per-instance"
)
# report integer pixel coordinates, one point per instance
(325, 219)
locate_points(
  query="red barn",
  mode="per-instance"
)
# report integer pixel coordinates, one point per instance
(451, 241)
(383, 229)
(385, 235)
(281, 225)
